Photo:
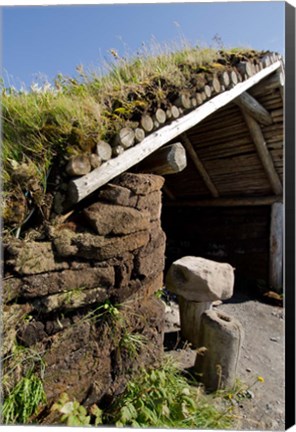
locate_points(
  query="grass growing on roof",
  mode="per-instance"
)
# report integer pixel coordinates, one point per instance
(71, 117)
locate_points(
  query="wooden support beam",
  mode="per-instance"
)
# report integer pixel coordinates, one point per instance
(226, 202)
(83, 186)
(263, 153)
(276, 247)
(199, 165)
(248, 103)
(167, 160)
(168, 192)
(274, 81)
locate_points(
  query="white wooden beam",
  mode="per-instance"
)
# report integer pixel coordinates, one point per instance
(83, 186)
(263, 153)
(253, 108)
(276, 247)
(199, 165)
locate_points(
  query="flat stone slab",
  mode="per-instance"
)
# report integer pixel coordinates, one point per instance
(114, 219)
(140, 184)
(30, 258)
(200, 280)
(89, 246)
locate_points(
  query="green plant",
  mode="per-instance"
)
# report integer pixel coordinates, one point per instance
(164, 398)
(239, 391)
(74, 414)
(24, 400)
(106, 309)
(132, 342)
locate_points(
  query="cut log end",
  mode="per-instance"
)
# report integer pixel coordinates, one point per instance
(125, 138)
(168, 160)
(147, 123)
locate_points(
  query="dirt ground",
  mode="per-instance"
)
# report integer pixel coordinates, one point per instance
(262, 354)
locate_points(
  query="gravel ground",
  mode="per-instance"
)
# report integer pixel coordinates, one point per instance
(262, 354)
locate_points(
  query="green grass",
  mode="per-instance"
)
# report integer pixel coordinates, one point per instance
(23, 401)
(164, 398)
(47, 125)
(159, 397)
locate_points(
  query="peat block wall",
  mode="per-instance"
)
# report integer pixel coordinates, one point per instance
(59, 292)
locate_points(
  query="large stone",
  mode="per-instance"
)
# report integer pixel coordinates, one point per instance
(157, 238)
(67, 280)
(112, 219)
(140, 184)
(150, 264)
(138, 288)
(11, 289)
(89, 246)
(33, 257)
(71, 299)
(200, 280)
(13, 316)
(151, 203)
(119, 195)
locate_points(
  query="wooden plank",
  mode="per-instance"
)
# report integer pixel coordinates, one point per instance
(263, 153)
(246, 102)
(199, 165)
(227, 202)
(167, 160)
(83, 186)
(276, 247)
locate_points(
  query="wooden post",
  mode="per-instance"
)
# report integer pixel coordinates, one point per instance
(253, 108)
(199, 165)
(276, 247)
(167, 160)
(263, 153)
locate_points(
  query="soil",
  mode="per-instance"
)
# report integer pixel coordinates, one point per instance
(262, 355)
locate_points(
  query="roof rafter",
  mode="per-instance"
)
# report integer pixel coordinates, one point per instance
(263, 153)
(199, 165)
(248, 103)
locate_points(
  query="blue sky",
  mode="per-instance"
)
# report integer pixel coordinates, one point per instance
(55, 39)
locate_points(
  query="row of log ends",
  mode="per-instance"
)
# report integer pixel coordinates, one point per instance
(205, 88)
(172, 158)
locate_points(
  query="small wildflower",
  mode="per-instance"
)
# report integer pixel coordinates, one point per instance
(260, 379)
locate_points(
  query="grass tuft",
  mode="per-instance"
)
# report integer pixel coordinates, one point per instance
(23, 401)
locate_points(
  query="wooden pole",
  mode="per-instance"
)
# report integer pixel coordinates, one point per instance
(167, 160)
(199, 165)
(246, 102)
(168, 192)
(263, 153)
(227, 202)
(276, 247)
